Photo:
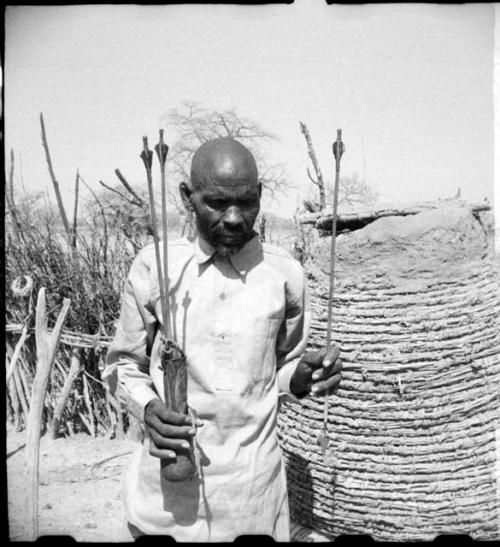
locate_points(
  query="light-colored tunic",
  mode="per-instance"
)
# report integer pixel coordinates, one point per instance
(242, 324)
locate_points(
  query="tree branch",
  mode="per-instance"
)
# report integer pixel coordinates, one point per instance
(125, 198)
(75, 211)
(125, 183)
(311, 178)
(54, 181)
(9, 196)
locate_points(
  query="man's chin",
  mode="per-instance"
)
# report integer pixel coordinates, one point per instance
(227, 250)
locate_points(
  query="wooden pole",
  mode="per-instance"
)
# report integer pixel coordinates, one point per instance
(24, 386)
(46, 347)
(14, 397)
(55, 184)
(9, 198)
(21, 385)
(75, 212)
(86, 395)
(18, 348)
(74, 369)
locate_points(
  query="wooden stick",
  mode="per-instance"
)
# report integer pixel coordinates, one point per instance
(123, 180)
(13, 392)
(348, 221)
(125, 198)
(15, 404)
(74, 369)
(115, 404)
(25, 388)
(85, 422)
(17, 350)
(55, 184)
(22, 396)
(111, 414)
(75, 211)
(9, 197)
(88, 402)
(46, 350)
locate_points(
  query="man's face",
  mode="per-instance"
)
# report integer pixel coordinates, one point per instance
(226, 208)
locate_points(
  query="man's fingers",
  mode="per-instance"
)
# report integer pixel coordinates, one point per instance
(161, 453)
(174, 431)
(330, 383)
(314, 358)
(337, 367)
(168, 443)
(326, 372)
(168, 416)
(321, 358)
(331, 356)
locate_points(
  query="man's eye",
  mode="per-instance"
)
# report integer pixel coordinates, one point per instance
(216, 203)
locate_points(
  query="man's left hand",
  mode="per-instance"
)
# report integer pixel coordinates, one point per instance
(317, 372)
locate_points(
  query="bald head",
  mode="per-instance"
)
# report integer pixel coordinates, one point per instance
(223, 161)
(224, 193)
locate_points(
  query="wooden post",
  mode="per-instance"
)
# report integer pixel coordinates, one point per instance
(115, 405)
(74, 369)
(20, 386)
(55, 184)
(22, 394)
(46, 348)
(14, 398)
(17, 350)
(86, 395)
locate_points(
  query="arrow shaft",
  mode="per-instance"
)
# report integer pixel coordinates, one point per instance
(338, 154)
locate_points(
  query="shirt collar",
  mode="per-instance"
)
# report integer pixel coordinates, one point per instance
(242, 261)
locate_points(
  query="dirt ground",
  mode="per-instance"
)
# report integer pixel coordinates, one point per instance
(80, 487)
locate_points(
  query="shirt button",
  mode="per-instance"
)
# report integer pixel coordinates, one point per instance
(222, 296)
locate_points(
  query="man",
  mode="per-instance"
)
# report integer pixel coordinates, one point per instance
(239, 313)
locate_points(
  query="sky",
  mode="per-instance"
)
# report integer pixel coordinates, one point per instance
(410, 85)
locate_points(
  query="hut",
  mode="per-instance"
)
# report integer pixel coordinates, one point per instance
(412, 428)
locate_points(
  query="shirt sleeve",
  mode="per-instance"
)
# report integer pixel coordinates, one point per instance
(128, 357)
(294, 332)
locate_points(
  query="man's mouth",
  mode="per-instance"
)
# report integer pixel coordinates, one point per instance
(229, 239)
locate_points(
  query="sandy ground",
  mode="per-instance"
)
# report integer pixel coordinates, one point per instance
(80, 487)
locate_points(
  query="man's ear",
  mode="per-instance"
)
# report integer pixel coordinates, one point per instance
(186, 194)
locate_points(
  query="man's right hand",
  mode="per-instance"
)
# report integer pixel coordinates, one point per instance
(169, 431)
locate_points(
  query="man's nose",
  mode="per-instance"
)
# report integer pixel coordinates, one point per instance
(232, 218)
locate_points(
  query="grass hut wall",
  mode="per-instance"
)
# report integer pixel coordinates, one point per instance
(412, 427)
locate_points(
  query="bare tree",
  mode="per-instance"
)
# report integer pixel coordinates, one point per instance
(195, 125)
(353, 191)
(318, 181)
